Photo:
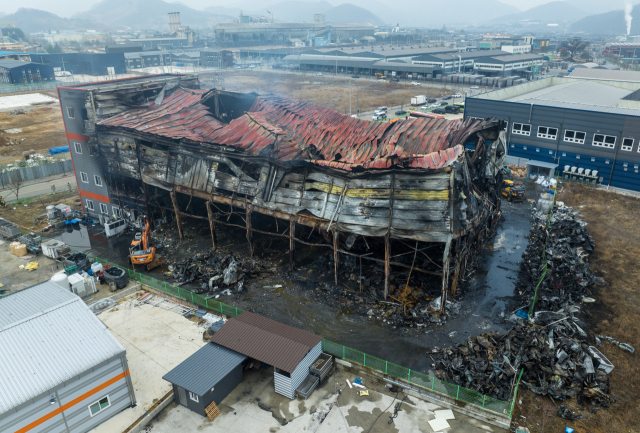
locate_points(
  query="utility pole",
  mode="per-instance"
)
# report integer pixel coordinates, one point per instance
(349, 97)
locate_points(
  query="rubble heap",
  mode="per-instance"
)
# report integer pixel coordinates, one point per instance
(215, 270)
(568, 246)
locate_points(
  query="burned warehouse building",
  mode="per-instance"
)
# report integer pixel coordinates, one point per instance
(161, 148)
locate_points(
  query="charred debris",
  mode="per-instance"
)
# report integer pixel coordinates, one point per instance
(549, 346)
(415, 197)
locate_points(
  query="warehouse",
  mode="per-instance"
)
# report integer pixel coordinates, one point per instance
(216, 58)
(19, 72)
(590, 124)
(279, 33)
(147, 58)
(288, 350)
(83, 63)
(206, 377)
(60, 368)
(455, 62)
(507, 65)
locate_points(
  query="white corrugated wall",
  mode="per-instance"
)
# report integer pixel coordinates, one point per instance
(287, 386)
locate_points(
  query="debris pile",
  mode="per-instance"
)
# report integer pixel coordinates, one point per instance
(568, 246)
(215, 270)
(553, 355)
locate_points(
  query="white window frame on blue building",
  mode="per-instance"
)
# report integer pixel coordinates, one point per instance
(605, 141)
(519, 128)
(570, 136)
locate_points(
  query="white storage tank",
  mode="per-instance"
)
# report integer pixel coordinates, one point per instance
(96, 267)
(61, 280)
(51, 212)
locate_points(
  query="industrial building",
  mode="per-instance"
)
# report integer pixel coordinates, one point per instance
(287, 161)
(314, 33)
(146, 59)
(123, 48)
(591, 125)
(20, 72)
(510, 64)
(455, 62)
(61, 370)
(165, 43)
(83, 63)
(216, 58)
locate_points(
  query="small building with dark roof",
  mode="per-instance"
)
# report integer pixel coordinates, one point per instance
(289, 350)
(206, 377)
(19, 72)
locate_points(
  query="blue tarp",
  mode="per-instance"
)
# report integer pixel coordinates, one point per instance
(57, 150)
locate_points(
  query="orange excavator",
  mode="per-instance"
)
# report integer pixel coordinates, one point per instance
(140, 252)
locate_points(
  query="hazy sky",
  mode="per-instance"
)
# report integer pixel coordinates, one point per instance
(67, 8)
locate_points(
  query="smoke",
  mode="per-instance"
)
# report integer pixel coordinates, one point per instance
(628, 7)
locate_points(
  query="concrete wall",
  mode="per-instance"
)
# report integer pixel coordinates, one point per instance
(37, 172)
(71, 401)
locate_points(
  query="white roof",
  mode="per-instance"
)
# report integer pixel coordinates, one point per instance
(47, 336)
(605, 74)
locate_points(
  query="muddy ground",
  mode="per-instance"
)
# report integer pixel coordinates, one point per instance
(325, 90)
(42, 128)
(32, 215)
(613, 224)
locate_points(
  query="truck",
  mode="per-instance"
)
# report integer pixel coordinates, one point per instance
(418, 100)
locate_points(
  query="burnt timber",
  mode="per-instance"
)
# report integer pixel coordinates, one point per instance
(422, 180)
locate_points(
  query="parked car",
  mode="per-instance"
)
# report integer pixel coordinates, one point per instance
(439, 111)
(394, 80)
(318, 74)
(379, 116)
(445, 97)
(436, 105)
(474, 87)
(415, 83)
(380, 112)
(452, 109)
(252, 66)
(400, 113)
(381, 80)
(457, 95)
(355, 76)
(381, 109)
(431, 100)
(442, 104)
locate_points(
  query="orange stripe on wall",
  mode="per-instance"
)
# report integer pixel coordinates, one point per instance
(72, 403)
(94, 196)
(77, 137)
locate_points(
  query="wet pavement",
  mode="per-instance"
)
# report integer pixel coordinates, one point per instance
(484, 299)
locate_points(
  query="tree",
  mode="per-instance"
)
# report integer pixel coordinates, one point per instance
(14, 182)
(572, 46)
(53, 49)
(13, 33)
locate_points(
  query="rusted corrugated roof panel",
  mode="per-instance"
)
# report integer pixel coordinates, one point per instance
(293, 130)
(266, 340)
(179, 115)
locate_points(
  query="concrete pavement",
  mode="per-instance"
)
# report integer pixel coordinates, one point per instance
(40, 187)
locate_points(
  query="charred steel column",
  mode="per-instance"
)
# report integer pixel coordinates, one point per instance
(212, 226)
(292, 241)
(248, 221)
(336, 236)
(177, 211)
(387, 238)
(445, 275)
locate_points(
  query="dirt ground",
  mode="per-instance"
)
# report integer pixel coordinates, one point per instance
(327, 91)
(613, 224)
(42, 128)
(25, 216)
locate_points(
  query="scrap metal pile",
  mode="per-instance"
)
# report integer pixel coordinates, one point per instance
(551, 348)
(215, 270)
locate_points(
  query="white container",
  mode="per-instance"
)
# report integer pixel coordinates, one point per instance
(76, 282)
(96, 267)
(61, 280)
(51, 211)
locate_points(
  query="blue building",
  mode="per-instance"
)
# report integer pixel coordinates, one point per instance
(590, 123)
(20, 72)
(84, 63)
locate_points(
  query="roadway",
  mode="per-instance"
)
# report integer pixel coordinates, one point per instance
(40, 187)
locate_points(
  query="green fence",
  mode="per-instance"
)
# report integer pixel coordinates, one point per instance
(457, 392)
(181, 293)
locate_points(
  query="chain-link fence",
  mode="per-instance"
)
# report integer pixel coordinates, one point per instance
(179, 292)
(415, 377)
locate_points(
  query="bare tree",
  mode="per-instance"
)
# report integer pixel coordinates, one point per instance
(571, 47)
(14, 182)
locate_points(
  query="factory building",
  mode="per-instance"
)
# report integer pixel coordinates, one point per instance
(591, 125)
(316, 33)
(169, 43)
(20, 72)
(507, 65)
(83, 63)
(455, 62)
(147, 58)
(216, 58)
(61, 370)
